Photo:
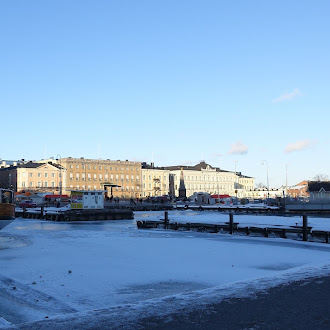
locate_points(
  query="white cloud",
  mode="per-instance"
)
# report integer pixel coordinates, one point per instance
(238, 148)
(287, 96)
(300, 145)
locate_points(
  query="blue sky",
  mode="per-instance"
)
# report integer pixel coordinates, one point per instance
(232, 82)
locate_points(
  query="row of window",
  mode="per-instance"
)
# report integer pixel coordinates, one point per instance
(39, 175)
(155, 186)
(106, 176)
(89, 167)
(207, 178)
(196, 187)
(89, 187)
(40, 184)
(150, 177)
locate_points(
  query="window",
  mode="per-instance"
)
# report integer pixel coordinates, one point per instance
(53, 175)
(53, 184)
(39, 175)
(31, 174)
(46, 184)
(77, 166)
(46, 175)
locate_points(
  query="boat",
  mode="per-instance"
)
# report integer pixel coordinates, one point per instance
(7, 207)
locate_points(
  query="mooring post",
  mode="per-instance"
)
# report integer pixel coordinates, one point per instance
(305, 224)
(231, 223)
(42, 211)
(166, 219)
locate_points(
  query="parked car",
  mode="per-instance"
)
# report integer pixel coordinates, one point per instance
(27, 204)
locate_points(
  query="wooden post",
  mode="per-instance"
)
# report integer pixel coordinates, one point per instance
(166, 219)
(42, 211)
(305, 223)
(24, 211)
(231, 223)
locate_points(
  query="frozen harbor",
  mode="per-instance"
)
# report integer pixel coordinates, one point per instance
(65, 271)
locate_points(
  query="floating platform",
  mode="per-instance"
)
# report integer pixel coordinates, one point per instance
(77, 215)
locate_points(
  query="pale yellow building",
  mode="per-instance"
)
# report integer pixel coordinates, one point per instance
(155, 181)
(31, 176)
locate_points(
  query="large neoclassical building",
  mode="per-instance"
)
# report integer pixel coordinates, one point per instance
(213, 180)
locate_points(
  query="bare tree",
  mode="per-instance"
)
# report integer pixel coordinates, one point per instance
(321, 177)
(261, 185)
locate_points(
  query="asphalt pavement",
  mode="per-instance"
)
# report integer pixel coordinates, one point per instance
(299, 305)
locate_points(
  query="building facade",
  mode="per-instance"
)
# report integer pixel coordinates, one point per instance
(155, 180)
(121, 178)
(299, 190)
(31, 176)
(319, 191)
(212, 180)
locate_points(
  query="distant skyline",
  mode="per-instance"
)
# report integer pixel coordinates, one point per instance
(234, 83)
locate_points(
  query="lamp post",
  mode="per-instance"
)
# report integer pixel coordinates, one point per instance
(263, 163)
(60, 181)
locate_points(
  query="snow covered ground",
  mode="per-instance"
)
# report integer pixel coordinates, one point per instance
(52, 270)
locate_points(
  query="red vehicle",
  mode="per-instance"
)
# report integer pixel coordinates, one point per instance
(27, 204)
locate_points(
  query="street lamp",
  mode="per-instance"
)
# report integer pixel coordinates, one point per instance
(60, 182)
(263, 163)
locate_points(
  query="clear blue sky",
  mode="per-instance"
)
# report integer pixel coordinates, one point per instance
(232, 82)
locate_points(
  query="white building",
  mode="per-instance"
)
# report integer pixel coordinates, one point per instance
(205, 178)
